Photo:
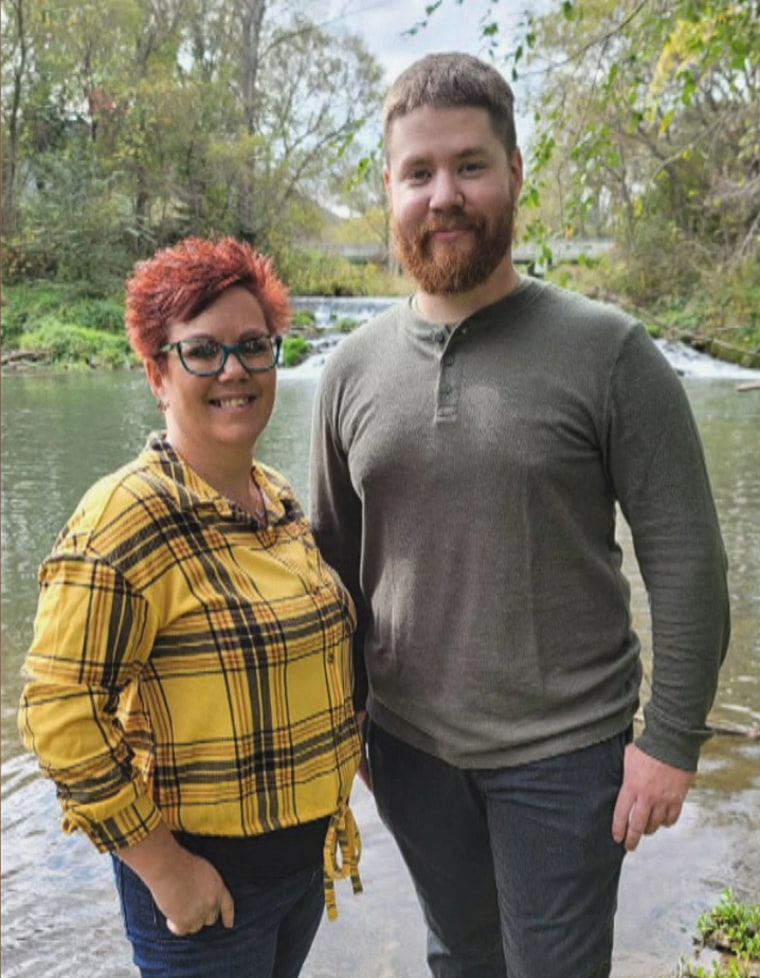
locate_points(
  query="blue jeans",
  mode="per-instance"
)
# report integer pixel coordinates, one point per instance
(275, 925)
(515, 868)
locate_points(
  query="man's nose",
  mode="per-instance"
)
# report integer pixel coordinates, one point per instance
(446, 192)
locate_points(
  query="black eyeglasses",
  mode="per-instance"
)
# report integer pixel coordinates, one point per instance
(205, 357)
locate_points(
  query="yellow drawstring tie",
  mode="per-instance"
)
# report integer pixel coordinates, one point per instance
(343, 834)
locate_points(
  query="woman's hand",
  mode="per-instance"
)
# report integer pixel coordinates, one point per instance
(186, 888)
(194, 897)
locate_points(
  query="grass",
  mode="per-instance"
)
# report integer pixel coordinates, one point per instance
(731, 929)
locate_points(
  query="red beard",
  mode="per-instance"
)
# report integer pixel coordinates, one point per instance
(449, 268)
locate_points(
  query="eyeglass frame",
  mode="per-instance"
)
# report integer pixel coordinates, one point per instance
(228, 348)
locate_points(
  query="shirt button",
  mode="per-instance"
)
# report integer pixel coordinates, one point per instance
(448, 359)
(445, 391)
(440, 336)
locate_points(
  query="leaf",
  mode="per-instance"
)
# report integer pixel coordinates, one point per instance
(666, 121)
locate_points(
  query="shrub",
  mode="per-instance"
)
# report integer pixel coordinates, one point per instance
(346, 325)
(105, 314)
(65, 343)
(304, 317)
(295, 350)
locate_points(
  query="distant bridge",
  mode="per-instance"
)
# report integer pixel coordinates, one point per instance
(527, 253)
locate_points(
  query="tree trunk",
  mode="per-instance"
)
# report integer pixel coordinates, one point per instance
(10, 155)
(250, 14)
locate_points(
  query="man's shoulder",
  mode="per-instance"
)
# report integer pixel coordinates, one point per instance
(368, 340)
(575, 307)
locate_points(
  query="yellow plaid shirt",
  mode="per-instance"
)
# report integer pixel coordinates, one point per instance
(188, 665)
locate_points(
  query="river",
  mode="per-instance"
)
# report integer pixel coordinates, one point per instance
(60, 431)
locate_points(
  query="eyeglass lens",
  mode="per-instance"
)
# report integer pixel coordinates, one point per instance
(206, 356)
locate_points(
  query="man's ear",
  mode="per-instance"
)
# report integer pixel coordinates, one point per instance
(516, 169)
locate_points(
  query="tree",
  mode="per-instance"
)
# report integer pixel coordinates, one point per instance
(647, 125)
(655, 107)
(162, 118)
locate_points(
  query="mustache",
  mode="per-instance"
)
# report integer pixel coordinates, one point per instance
(454, 220)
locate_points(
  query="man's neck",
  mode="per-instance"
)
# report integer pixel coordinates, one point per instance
(454, 308)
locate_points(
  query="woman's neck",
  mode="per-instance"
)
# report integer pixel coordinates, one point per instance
(227, 471)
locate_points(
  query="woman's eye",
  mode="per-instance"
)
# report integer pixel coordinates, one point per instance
(257, 344)
(206, 350)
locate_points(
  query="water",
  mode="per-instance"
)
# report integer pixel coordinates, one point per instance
(60, 915)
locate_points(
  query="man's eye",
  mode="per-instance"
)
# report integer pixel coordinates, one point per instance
(203, 350)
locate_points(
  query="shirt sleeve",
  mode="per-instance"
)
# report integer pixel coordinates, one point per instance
(336, 518)
(660, 478)
(92, 636)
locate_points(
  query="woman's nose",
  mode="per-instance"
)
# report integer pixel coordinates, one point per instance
(232, 368)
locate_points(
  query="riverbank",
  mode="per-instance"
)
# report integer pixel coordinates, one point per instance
(62, 429)
(48, 323)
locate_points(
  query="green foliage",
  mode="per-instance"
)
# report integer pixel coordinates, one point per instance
(720, 311)
(304, 318)
(645, 130)
(127, 125)
(718, 969)
(732, 925)
(104, 314)
(26, 305)
(25, 257)
(731, 928)
(295, 350)
(70, 345)
(77, 221)
(346, 325)
(310, 272)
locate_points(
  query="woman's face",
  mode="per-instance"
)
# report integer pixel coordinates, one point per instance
(225, 413)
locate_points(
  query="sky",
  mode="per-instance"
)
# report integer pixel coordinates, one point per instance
(384, 26)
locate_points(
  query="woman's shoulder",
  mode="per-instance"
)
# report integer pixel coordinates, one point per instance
(117, 506)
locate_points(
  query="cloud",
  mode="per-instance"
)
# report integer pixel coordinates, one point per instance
(391, 31)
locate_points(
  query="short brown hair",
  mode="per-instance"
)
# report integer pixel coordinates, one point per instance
(445, 81)
(178, 283)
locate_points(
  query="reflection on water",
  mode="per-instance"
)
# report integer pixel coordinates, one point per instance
(60, 915)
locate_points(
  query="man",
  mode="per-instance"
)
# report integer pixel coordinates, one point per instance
(470, 447)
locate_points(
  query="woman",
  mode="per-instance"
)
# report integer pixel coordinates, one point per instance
(189, 684)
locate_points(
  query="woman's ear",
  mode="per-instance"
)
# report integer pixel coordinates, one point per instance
(156, 381)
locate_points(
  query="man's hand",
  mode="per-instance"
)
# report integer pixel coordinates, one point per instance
(651, 796)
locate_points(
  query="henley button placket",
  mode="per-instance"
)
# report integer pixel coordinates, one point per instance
(449, 379)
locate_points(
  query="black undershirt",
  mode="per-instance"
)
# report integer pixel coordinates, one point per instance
(268, 857)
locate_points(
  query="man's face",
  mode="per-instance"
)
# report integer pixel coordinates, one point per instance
(452, 191)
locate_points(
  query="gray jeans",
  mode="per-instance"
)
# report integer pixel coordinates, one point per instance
(515, 869)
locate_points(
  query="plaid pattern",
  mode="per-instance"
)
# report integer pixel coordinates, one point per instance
(187, 665)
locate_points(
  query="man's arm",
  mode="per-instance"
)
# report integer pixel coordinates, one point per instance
(661, 480)
(336, 518)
